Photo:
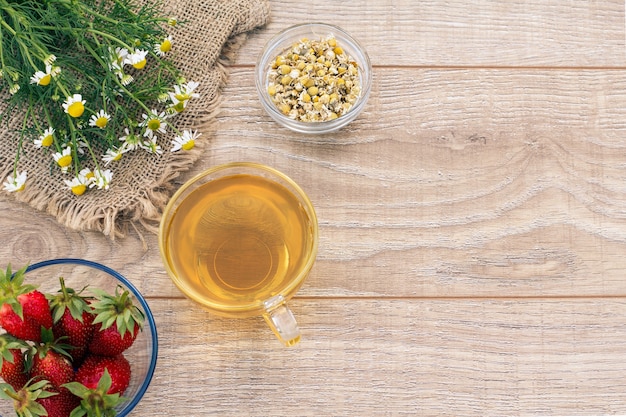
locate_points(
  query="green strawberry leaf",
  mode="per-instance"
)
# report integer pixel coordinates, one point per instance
(117, 309)
(6, 390)
(77, 389)
(12, 286)
(68, 298)
(95, 401)
(78, 412)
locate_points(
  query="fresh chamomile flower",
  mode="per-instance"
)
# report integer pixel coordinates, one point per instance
(125, 79)
(164, 47)
(81, 146)
(14, 89)
(42, 78)
(100, 119)
(113, 154)
(186, 141)
(87, 173)
(172, 21)
(15, 182)
(137, 59)
(50, 59)
(151, 146)
(130, 140)
(153, 123)
(54, 70)
(117, 58)
(163, 97)
(101, 179)
(46, 139)
(177, 106)
(63, 159)
(78, 185)
(183, 92)
(74, 105)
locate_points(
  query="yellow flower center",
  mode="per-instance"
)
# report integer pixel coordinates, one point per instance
(166, 46)
(76, 109)
(47, 141)
(154, 124)
(180, 106)
(140, 64)
(101, 122)
(65, 161)
(79, 189)
(45, 80)
(188, 145)
(117, 157)
(89, 175)
(182, 97)
(21, 188)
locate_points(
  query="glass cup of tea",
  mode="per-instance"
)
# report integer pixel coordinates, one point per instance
(240, 239)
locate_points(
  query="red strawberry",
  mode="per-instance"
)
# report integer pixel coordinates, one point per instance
(100, 381)
(60, 405)
(24, 311)
(12, 361)
(26, 400)
(50, 361)
(53, 367)
(117, 321)
(94, 366)
(73, 319)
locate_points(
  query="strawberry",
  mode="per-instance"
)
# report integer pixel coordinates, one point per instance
(24, 311)
(12, 361)
(94, 366)
(97, 400)
(117, 322)
(60, 405)
(73, 319)
(26, 401)
(50, 361)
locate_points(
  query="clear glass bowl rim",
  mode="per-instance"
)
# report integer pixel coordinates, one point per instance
(268, 52)
(144, 305)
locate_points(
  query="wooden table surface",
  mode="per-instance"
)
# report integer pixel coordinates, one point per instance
(472, 225)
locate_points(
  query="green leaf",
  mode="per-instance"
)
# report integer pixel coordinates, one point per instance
(77, 389)
(4, 390)
(78, 412)
(47, 394)
(57, 312)
(36, 409)
(105, 381)
(40, 385)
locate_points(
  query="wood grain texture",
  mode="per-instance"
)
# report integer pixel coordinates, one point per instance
(399, 357)
(457, 33)
(472, 225)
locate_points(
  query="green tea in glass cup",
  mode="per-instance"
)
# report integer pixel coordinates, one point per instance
(240, 239)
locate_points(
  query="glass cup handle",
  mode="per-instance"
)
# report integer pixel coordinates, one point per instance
(281, 320)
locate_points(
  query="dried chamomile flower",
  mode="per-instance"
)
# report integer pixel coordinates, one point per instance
(314, 81)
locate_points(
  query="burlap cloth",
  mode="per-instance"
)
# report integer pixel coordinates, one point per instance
(142, 183)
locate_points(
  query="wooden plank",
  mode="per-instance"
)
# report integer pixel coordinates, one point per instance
(457, 33)
(396, 357)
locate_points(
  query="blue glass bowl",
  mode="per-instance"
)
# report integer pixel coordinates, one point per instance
(79, 273)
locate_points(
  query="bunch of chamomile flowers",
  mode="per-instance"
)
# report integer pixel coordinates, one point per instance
(93, 81)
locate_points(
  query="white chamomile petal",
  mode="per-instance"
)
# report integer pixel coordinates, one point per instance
(16, 182)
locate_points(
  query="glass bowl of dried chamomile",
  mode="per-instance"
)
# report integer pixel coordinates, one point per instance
(313, 78)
